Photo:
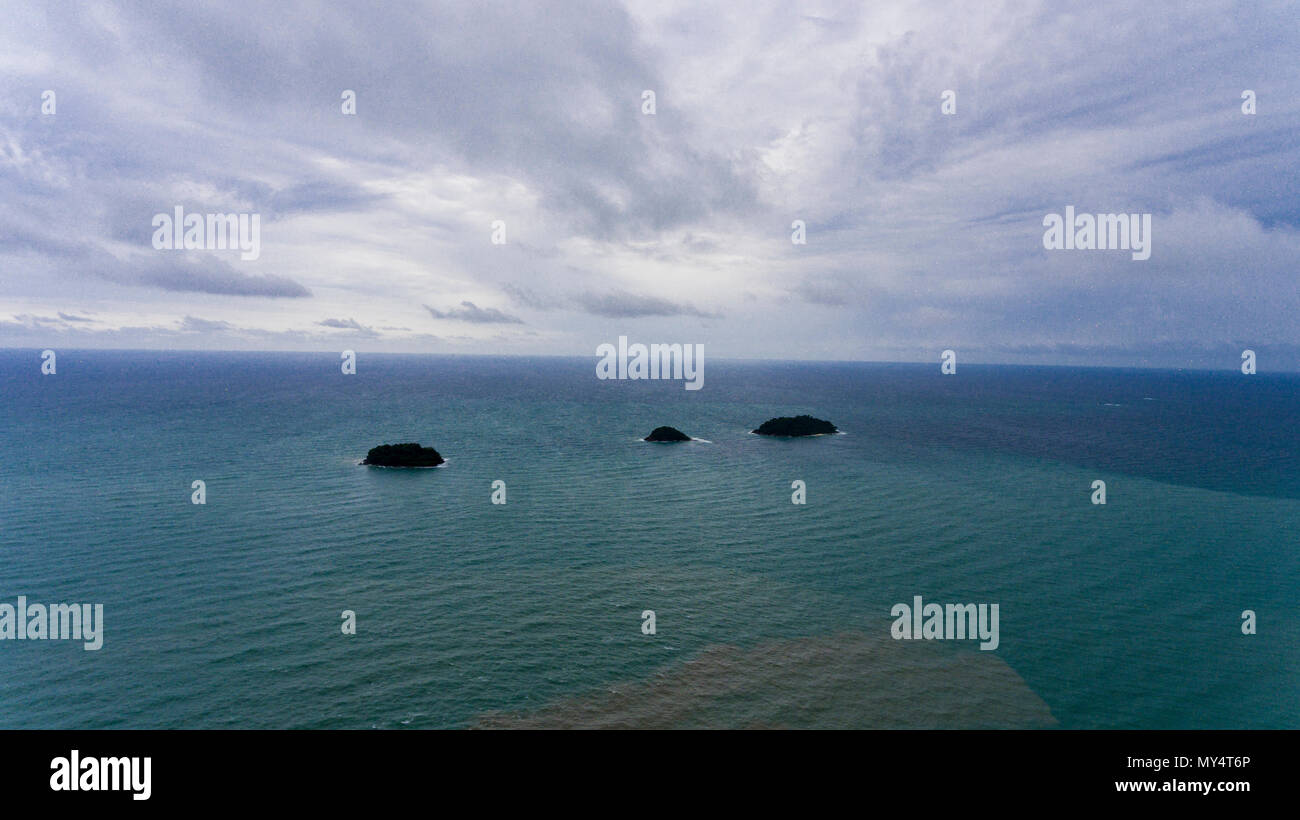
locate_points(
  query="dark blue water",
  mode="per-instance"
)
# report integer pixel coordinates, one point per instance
(966, 488)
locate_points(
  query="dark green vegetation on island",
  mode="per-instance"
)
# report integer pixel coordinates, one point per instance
(796, 426)
(409, 454)
(667, 434)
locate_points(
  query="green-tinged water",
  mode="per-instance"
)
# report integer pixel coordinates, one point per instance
(972, 488)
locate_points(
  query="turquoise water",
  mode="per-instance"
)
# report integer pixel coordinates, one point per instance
(969, 488)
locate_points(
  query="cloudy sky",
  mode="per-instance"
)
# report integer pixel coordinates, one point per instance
(924, 230)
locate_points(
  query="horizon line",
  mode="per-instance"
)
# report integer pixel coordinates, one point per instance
(1154, 368)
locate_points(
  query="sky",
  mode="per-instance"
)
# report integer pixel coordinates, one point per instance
(923, 229)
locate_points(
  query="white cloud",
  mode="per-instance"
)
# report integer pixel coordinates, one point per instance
(923, 230)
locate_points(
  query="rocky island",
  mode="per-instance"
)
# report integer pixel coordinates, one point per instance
(667, 434)
(409, 454)
(795, 426)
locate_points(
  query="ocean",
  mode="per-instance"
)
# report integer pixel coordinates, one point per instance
(971, 488)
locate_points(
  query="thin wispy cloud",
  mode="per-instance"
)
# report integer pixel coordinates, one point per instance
(619, 304)
(470, 312)
(197, 325)
(348, 324)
